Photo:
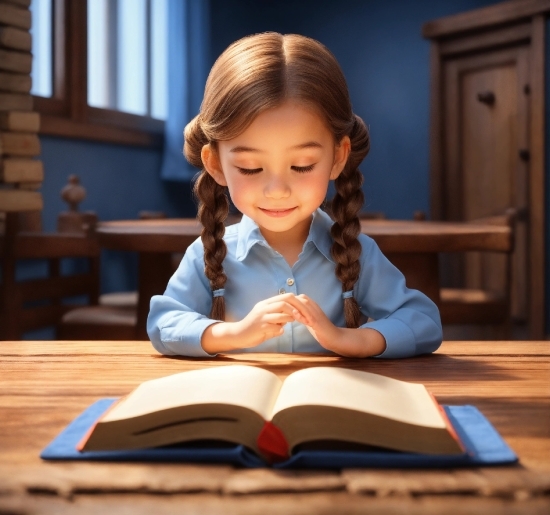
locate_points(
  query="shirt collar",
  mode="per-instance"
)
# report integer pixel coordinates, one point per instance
(319, 234)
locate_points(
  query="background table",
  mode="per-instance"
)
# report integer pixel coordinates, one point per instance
(412, 246)
(44, 385)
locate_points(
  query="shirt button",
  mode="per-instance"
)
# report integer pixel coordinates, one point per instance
(290, 281)
(281, 291)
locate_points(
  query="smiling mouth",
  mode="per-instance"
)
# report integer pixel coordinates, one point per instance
(277, 212)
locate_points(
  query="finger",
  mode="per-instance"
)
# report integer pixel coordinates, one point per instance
(279, 307)
(278, 298)
(299, 317)
(272, 330)
(278, 318)
(310, 310)
(303, 305)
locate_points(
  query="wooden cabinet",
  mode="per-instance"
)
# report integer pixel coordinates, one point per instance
(487, 141)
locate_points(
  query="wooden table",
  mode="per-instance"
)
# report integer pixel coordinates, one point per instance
(44, 385)
(413, 246)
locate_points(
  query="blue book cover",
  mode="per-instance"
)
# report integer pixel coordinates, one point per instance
(484, 446)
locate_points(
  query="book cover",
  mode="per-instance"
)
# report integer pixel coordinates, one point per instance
(483, 447)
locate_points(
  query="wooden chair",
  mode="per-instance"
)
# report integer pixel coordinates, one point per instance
(128, 299)
(114, 317)
(479, 304)
(37, 303)
(49, 301)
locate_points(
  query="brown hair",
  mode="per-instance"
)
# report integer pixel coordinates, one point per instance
(254, 74)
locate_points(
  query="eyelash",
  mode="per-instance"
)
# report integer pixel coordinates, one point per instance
(248, 171)
(252, 171)
(303, 169)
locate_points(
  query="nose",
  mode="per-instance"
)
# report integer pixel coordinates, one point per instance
(276, 187)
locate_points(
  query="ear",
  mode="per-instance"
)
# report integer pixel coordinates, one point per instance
(212, 164)
(341, 154)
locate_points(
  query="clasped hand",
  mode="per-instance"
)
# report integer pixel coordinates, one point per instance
(267, 319)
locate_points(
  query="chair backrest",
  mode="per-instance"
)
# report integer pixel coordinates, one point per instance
(39, 301)
(486, 291)
(491, 267)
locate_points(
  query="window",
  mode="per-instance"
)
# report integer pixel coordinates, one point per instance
(99, 69)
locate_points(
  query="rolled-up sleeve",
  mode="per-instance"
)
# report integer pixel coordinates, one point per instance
(175, 323)
(408, 319)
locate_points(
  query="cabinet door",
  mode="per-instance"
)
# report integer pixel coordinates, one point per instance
(485, 120)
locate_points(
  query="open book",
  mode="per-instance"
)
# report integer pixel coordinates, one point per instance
(251, 406)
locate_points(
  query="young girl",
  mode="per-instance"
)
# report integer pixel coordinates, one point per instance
(275, 126)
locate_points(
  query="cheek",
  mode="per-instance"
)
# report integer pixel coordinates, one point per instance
(240, 190)
(314, 187)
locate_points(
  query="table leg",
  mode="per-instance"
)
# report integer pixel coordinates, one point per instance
(421, 271)
(155, 269)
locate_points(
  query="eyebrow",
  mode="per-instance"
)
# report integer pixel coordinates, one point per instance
(307, 144)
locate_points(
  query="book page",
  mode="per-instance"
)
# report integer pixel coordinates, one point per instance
(360, 391)
(251, 387)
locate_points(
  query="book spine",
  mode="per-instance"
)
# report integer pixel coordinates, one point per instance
(19, 121)
(19, 144)
(15, 39)
(13, 61)
(14, 15)
(273, 444)
(20, 200)
(19, 3)
(15, 82)
(20, 176)
(17, 170)
(15, 102)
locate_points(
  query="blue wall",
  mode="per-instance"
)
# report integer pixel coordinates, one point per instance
(386, 63)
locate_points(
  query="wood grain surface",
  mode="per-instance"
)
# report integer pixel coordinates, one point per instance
(174, 235)
(44, 385)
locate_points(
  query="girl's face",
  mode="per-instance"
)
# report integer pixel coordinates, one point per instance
(277, 171)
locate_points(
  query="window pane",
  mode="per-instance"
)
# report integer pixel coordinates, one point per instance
(98, 54)
(41, 32)
(159, 59)
(123, 73)
(132, 56)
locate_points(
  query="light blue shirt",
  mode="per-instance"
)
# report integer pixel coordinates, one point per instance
(407, 319)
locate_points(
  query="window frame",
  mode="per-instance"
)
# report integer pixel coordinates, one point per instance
(67, 113)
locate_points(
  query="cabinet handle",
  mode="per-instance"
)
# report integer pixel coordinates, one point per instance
(486, 97)
(524, 155)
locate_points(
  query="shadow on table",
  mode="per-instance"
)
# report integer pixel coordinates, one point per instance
(423, 369)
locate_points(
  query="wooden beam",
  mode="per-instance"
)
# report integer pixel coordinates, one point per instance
(497, 14)
(537, 281)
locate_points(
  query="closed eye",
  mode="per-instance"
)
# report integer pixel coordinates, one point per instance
(249, 171)
(303, 169)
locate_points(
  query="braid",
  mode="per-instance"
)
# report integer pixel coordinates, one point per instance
(213, 209)
(349, 198)
(212, 212)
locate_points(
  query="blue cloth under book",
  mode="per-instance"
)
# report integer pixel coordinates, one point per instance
(483, 443)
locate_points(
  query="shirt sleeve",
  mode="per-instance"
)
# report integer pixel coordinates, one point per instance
(177, 319)
(408, 319)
